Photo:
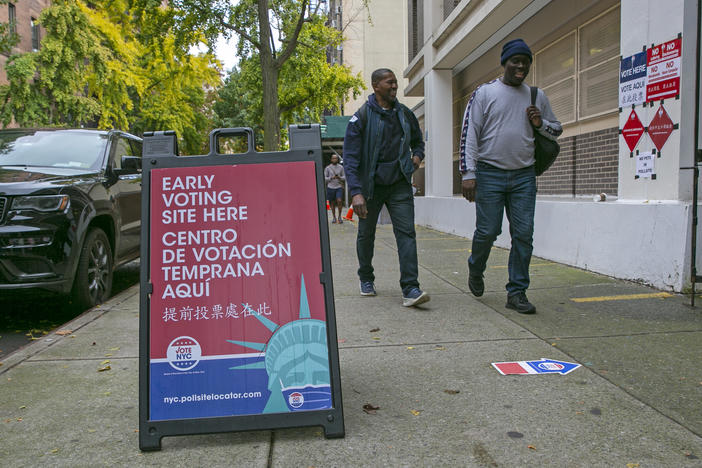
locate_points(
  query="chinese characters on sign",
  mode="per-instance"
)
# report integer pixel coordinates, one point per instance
(237, 320)
(632, 80)
(663, 63)
(660, 128)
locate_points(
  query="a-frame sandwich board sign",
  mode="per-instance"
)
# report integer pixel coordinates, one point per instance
(237, 329)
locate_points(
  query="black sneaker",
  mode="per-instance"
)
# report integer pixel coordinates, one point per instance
(476, 284)
(520, 303)
(367, 288)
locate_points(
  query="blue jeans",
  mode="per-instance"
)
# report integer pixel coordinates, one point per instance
(498, 190)
(399, 199)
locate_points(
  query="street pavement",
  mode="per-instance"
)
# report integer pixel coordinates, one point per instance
(71, 398)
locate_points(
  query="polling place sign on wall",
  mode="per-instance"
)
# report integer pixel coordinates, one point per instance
(632, 80)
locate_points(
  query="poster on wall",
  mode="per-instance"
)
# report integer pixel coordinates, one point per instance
(632, 80)
(663, 63)
(660, 128)
(633, 130)
(237, 317)
(645, 165)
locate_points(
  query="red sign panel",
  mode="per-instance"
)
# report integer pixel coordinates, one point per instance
(663, 68)
(660, 128)
(632, 130)
(237, 320)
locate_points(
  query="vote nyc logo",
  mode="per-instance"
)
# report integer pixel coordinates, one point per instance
(184, 353)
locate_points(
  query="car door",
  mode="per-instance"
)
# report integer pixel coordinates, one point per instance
(126, 197)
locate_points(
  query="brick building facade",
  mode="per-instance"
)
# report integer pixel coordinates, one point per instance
(26, 14)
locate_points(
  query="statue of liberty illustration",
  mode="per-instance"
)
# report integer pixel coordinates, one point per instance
(296, 360)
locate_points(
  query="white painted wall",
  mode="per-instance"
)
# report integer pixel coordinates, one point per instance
(636, 241)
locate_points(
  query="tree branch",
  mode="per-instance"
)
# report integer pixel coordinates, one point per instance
(241, 33)
(290, 47)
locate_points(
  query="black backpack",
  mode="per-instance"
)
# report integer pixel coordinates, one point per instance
(545, 150)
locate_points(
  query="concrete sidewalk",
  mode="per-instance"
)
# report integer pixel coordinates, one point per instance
(635, 402)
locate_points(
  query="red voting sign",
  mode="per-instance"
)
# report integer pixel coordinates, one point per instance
(632, 130)
(660, 128)
(237, 321)
(663, 68)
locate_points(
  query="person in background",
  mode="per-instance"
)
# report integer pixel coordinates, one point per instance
(383, 147)
(335, 178)
(497, 163)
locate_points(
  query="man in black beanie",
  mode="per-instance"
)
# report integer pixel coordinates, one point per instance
(497, 164)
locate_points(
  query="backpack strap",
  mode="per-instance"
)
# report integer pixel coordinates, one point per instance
(363, 114)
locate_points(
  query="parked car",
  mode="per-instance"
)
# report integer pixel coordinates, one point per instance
(70, 209)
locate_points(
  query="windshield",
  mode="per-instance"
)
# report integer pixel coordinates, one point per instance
(71, 149)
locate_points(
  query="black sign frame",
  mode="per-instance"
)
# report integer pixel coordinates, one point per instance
(160, 151)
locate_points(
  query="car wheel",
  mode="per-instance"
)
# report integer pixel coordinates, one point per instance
(93, 281)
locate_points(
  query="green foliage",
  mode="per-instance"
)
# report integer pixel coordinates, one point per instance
(113, 64)
(307, 84)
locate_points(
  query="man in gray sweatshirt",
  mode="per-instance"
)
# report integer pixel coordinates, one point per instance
(497, 164)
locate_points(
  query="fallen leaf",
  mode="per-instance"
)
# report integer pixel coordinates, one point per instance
(72, 336)
(376, 338)
(1, 365)
(531, 447)
(439, 348)
(92, 430)
(410, 347)
(54, 451)
(23, 407)
(19, 419)
(107, 393)
(106, 361)
(114, 349)
(415, 412)
(452, 392)
(105, 368)
(370, 409)
(632, 465)
(64, 332)
(375, 330)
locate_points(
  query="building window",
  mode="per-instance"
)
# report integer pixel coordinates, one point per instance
(579, 72)
(12, 18)
(416, 27)
(35, 34)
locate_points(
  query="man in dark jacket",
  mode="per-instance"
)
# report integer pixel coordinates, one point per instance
(382, 149)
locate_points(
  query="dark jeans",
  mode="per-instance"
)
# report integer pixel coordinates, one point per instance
(499, 190)
(399, 199)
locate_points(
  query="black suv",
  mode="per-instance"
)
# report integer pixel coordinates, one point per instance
(70, 209)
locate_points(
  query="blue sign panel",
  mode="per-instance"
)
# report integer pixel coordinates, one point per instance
(632, 80)
(549, 366)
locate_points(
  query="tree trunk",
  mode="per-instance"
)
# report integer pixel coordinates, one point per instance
(271, 113)
(269, 78)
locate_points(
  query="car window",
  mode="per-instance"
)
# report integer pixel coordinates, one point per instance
(136, 147)
(73, 149)
(120, 148)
